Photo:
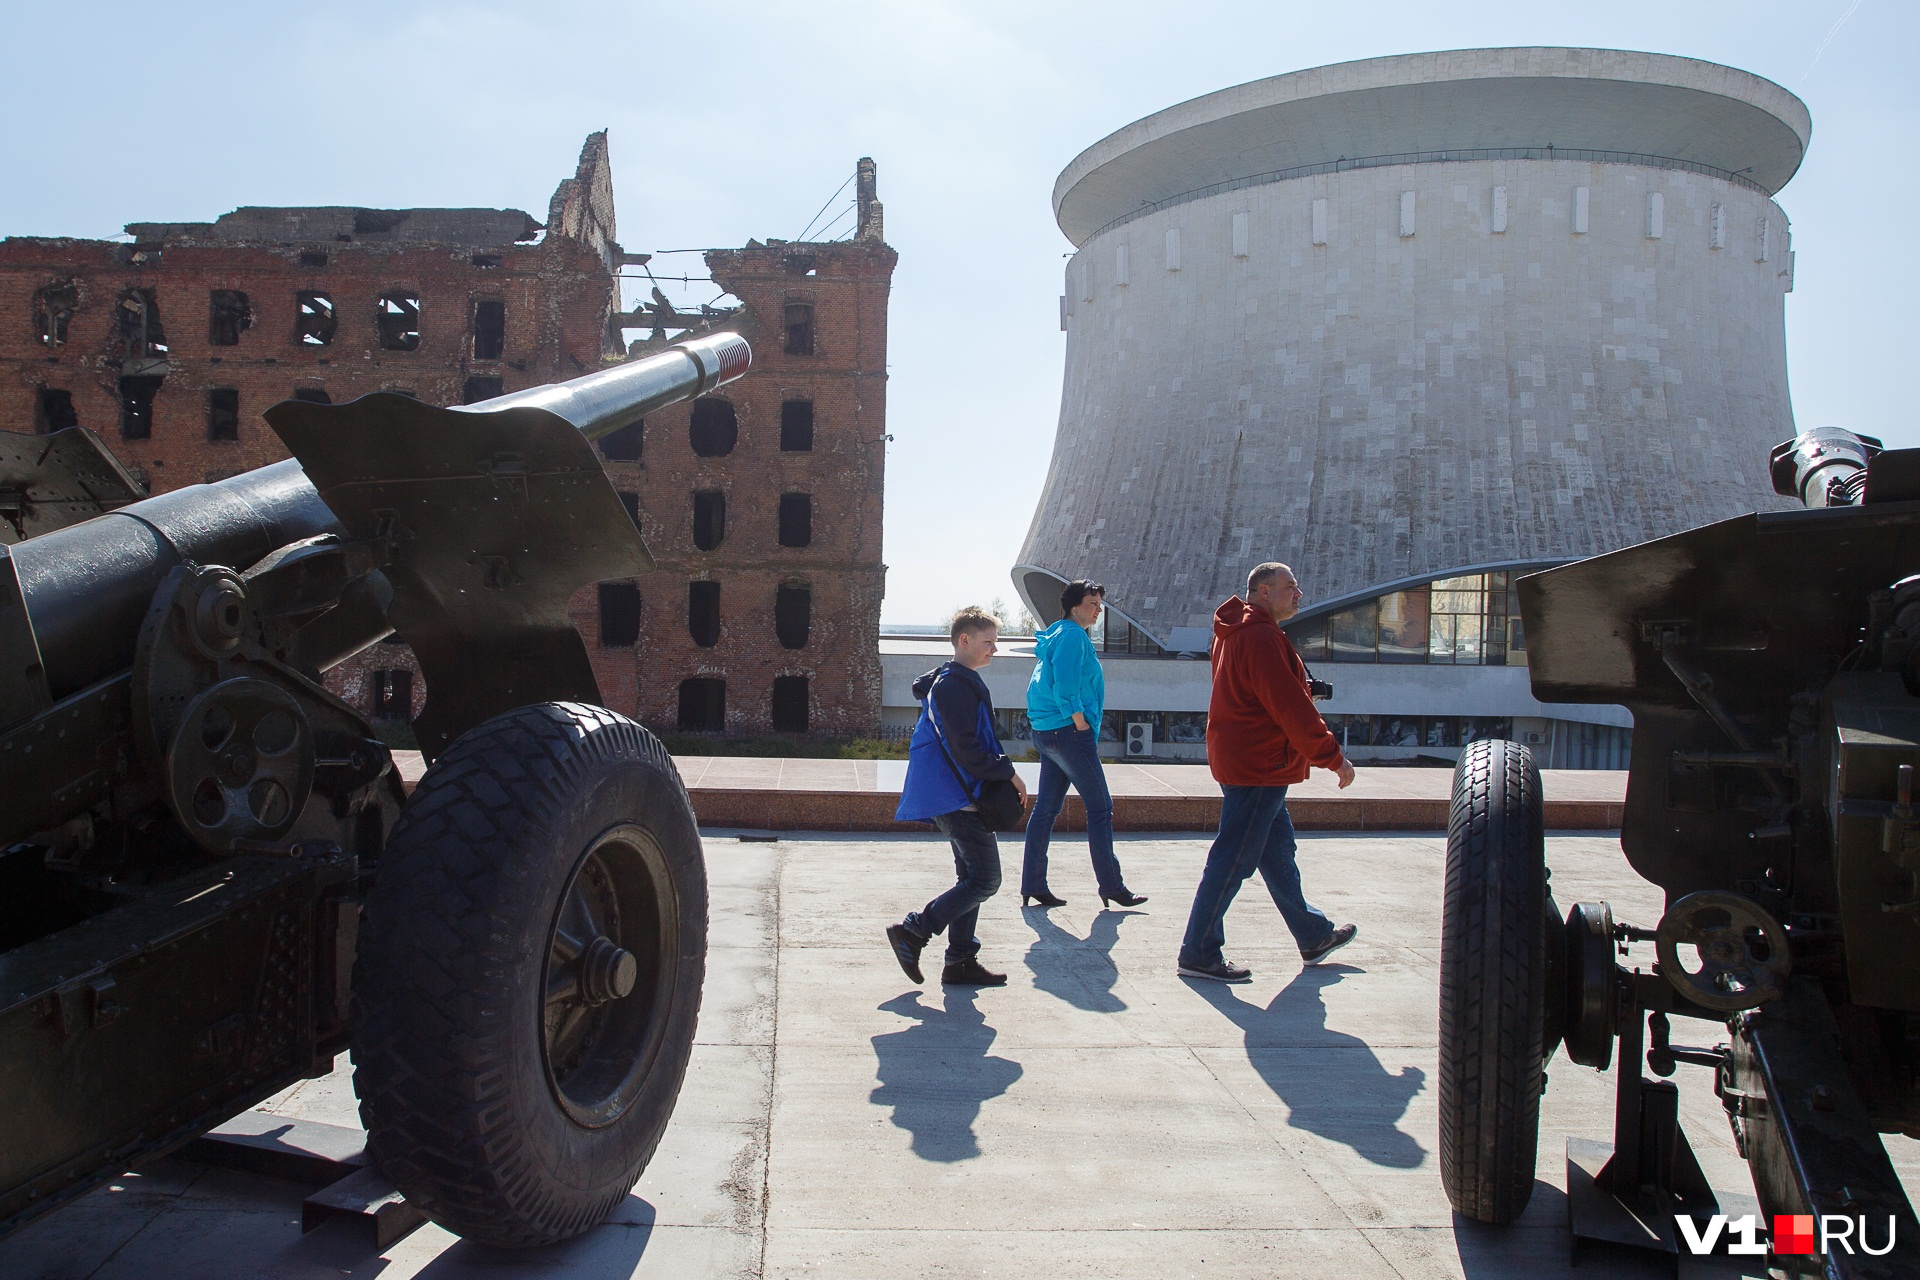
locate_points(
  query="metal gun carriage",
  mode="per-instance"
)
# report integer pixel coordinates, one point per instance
(211, 881)
(1772, 666)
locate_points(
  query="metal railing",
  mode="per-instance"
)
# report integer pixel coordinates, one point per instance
(1454, 156)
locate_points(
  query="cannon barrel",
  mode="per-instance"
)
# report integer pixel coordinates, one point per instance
(602, 403)
(87, 587)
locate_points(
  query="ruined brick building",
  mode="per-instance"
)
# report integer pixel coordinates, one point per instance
(762, 506)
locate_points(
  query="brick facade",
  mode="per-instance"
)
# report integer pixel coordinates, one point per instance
(146, 343)
(844, 380)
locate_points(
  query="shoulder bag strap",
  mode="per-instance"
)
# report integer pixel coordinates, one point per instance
(933, 718)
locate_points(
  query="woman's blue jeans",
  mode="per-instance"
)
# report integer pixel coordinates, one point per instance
(1070, 755)
(1256, 833)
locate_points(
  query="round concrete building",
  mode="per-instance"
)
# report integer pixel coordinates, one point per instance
(1416, 320)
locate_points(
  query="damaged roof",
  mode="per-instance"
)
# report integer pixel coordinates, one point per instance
(466, 228)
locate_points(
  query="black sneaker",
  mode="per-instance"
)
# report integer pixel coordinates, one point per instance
(1224, 971)
(971, 973)
(907, 946)
(1341, 937)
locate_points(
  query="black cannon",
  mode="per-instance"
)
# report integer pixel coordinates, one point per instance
(1772, 666)
(211, 880)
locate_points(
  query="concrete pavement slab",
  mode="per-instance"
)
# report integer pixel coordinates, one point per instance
(1080, 1137)
(1099, 1116)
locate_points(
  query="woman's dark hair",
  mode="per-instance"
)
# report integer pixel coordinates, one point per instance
(1076, 592)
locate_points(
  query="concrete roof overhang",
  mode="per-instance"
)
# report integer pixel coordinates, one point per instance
(1596, 100)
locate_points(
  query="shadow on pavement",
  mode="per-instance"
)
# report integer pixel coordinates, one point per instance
(937, 1074)
(1329, 1090)
(609, 1251)
(1079, 971)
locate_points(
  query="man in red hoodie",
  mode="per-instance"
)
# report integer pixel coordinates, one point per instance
(1263, 734)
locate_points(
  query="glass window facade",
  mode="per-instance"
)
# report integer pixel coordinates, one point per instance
(1472, 620)
(1417, 731)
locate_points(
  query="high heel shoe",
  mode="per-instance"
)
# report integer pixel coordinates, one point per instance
(1044, 899)
(1124, 898)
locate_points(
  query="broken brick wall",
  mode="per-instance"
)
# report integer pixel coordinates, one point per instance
(842, 472)
(64, 329)
(555, 299)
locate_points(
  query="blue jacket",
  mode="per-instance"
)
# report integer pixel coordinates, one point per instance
(1066, 679)
(966, 716)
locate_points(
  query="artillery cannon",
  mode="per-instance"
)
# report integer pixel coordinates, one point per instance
(211, 881)
(1772, 666)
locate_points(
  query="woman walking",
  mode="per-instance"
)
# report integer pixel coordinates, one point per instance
(1064, 702)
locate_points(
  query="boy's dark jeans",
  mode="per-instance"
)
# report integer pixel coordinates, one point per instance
(976, 866)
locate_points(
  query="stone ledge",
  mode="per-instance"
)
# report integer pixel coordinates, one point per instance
(861, 795)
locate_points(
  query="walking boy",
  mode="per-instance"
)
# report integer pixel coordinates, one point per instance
(954, 750)
(1263, 734)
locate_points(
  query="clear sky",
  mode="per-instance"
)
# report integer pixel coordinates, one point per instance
(740, 119)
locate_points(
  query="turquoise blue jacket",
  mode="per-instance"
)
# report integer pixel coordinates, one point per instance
(1066, 679)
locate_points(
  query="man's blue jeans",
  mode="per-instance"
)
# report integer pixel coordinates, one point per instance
(976, 868)
(1070, 755)
(1255, 832)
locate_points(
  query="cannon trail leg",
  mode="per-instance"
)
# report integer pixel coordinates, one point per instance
(1807, 1135)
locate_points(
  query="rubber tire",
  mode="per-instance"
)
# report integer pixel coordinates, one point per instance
(448, 1039)
(1493, 983)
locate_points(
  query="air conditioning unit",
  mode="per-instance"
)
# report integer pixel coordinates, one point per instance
(1140, 738)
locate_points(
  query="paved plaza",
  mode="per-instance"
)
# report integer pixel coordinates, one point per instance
(1098, 1117)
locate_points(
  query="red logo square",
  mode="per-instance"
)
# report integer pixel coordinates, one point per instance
(1793, 1234)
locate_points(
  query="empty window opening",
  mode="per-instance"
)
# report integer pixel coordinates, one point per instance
(137, 326)
(486, 260)
(709, 519)
(136, 407)
(315, 322)
(796, 426)
(703, 613)
(481, 388)
(624, 445)
(392, 695)
(714, 427)
(313, 258)
(796, 519)
(53, 411)
(793, 616)
(801, 264)
(799, 328)
(703, 706)
(396, 321)
(619, 615)
(789, 704)
(53, 308)
(631, 501)
(312, 395)
(229, 314)
(489, 329)
(223, 414)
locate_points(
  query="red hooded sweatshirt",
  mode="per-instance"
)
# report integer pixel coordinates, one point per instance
(1262, 728)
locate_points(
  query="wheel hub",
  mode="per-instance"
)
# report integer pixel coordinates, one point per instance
(611, 954)
(607, 971)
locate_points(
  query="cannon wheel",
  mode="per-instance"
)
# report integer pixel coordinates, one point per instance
(1494, 960)
(529, 973)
